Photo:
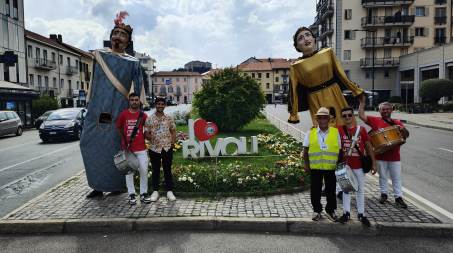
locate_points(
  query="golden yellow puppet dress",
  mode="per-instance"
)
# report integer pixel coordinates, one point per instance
(317, 81)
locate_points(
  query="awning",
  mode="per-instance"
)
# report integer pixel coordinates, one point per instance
(16, 89)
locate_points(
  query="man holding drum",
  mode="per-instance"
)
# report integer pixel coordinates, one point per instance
(389, 161)
(349, 132)
(322, 148)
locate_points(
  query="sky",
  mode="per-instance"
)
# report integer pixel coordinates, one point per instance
(174, 32)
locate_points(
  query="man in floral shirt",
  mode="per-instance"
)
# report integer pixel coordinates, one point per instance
(161, 132)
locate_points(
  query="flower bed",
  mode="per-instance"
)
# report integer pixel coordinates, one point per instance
(277, 167)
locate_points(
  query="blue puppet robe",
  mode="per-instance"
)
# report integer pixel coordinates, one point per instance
(100, 141)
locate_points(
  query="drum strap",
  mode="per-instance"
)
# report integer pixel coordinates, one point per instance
(353, 140)
(390, 122)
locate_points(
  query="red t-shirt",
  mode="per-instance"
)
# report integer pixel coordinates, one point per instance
(126, 121)
(376, 123)
(354, 160)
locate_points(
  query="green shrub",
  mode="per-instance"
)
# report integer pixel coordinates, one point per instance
(432, 90)
(229, 99)
(43, 104)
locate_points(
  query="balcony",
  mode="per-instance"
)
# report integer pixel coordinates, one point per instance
(380, 62)
(385, 3)
(440, 40)
(377, 21)
(326, 30)
(52, 92)
(387, 42)
(71, 70)
(45, 64)
(440, 20)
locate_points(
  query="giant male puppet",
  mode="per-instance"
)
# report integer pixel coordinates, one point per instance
(115, 74)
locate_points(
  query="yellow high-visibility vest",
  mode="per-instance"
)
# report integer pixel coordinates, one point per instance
(323, 159)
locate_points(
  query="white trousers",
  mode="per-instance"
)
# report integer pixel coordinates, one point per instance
(360, 194)
(143, 170)
(394, 170)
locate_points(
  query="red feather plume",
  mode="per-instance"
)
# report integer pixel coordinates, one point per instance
(120, 16)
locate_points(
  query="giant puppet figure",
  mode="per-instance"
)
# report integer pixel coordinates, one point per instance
(115, 74)
(316, 79)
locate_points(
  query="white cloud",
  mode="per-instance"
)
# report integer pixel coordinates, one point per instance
(224, 32)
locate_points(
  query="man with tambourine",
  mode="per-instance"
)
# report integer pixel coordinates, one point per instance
(388, 152)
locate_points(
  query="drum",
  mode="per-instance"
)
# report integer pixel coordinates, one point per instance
(346, 179)
(385, 139)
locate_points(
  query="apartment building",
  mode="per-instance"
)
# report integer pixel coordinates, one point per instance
(271, 73)
(178, 86)
(369, 36)
(148, 66)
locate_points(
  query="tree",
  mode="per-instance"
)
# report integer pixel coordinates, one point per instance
(43, 104)
(229, 99)
(432, 90)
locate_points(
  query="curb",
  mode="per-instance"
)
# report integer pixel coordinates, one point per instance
(302, 226)
(428, 126)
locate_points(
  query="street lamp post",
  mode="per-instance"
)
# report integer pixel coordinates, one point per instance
(373, 44)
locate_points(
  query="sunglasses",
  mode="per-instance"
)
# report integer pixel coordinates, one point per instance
(347, 115)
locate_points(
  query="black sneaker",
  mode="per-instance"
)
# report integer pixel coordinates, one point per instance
(383, 198)
(364, 220)
(345, 217)
(145, 198)
(400, 202)
(132, 199)
(340, 195)
(332, 216)
(316, 216)
(94, 194)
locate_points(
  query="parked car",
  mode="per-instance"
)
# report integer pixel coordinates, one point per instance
(10, 123)
(63, 124)
(41, 118)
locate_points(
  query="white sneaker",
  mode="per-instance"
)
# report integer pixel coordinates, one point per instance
(171, 196)
(154, 196)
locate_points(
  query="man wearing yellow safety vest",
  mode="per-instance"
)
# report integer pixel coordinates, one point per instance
(322, 151)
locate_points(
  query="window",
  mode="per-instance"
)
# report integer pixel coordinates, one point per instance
(53, 56)
(70, 84)
(15, 12)
(185, 79)
(277, 79)
(77, 63)
(349, 35)
(39, 81)
(348, 14)
(253, 75)
(30, 51)
(77, 85)
(268, 86)
(259, 75)
(421, 31)
(44, 54)
(38, 53)
(61, 59)
(69, 61)
(347, 55)
(386, 73)
(46, 82)
(368, 74)
(61, 83)
(31, 80)
(5, 33)
(7, 6)
(420, 11)
(54, 82)
(387, 52)
(163, 80)
(177, 79)
(267, 75)
(404, 51)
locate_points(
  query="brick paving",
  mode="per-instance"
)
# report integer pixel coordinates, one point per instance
(68, 201)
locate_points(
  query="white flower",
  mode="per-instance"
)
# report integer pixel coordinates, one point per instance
(190, 180)
(224, 180)
(184, 178)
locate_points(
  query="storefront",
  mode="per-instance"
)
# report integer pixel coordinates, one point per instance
(17, 98)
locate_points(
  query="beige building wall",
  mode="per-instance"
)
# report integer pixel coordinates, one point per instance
(180, 87)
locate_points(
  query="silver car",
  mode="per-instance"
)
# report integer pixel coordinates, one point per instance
(10, 123)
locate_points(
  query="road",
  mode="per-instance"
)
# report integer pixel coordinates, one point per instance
(28, 167)
(183, 241)
(426, 159)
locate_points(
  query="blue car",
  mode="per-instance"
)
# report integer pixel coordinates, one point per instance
(63, 124)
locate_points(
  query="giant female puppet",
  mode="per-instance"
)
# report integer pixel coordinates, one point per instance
(316, 79)
(115, 74)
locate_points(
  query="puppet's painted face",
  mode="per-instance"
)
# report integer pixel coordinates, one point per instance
(119, 40)
(305, 41)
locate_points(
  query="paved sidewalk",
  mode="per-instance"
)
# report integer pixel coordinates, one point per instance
(67, 201)
(433, 120)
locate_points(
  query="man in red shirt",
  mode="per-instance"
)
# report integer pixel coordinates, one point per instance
(390, 161)
(126, 123)
(347, 133)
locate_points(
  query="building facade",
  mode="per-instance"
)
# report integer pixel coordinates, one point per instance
(14, 93)
(177, 86)
(272, 74)
(198, 66)
(148, 66)
(369, 36)
(53, 69)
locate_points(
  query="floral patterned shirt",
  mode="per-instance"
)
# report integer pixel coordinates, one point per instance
(160, 127)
